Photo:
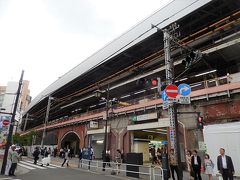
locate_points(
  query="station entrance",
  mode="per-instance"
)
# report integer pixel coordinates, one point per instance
(72, 141)
(150, 142)
(149, 138)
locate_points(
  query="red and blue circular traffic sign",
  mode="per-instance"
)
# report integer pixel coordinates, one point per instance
(172, 90)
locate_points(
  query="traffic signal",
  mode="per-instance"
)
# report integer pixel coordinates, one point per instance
(154, 82)
(143, 82)
(193, 56)
(200, 122)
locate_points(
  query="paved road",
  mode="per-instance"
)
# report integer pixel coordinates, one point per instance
(59, 174)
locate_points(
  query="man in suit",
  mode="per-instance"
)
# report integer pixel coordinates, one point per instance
(225, 165)
(196, 165)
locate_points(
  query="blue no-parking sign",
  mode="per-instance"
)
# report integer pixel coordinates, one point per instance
(184, 89)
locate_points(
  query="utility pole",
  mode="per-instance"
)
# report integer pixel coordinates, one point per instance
(25, 122)
(172, 109)
(106, 134)
(46, 120)
(9, 138)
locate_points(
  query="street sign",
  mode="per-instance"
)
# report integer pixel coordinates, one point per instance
(164, 95)
(184, 100)
(172, 90)
(184, 89)
(165, 105)
(6, 122)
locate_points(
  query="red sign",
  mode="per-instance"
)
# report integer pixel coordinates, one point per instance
(172, 90)
(6, 122)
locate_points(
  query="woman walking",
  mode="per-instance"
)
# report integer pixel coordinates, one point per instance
(66, 157)
(208, 166)
(188, 161)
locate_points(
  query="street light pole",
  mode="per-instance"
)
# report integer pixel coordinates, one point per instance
(46, 120)
(106, 134)
(9, 138)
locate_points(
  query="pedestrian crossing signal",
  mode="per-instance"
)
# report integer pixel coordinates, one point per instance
(200, 122)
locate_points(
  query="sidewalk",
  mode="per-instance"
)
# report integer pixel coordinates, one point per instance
(19, 171)
(74, 163)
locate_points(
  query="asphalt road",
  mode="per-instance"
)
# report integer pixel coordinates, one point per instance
(61, 174)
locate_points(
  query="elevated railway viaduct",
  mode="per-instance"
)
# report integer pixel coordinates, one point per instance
(122, 70)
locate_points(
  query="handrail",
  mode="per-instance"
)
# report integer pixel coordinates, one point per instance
(116, 167)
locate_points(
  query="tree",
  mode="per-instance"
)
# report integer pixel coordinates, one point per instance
(26, 139)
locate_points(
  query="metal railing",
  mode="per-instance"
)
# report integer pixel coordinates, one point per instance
(123, 169)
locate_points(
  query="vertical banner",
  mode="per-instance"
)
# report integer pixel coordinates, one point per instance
(4, 129)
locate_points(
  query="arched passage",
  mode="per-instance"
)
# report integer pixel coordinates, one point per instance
(71, 140)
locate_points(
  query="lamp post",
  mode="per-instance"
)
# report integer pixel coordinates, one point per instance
(98, 94)
(9, 138)
(46, 120)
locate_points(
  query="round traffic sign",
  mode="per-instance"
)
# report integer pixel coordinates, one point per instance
(172, 90)
(6, 122)
(184, 89)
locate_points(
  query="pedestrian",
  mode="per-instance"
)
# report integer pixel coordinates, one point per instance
(118, 160)
(61, 153)
(55, 152)
(159, 155)
(15, 159)
(108, 157)
(225, 165)
(208, 166)
(91, 153)
(9, 161)
(173, 164)
(66, 157)
(80, 157)
(188, 161)
(49, 151)
(196, 165)
(153, 154)
(36, 153)
(71, 153)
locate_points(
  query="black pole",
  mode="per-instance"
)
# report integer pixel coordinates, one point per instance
(9, 138)
(180, 170)
(105, 135)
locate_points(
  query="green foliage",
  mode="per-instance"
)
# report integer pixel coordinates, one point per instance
(24, 140)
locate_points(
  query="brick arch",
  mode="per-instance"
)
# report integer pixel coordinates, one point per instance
(78, 130)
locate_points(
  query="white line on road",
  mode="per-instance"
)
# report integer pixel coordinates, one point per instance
(57, 166)
(27, 167)
(32, 165)
(50, 166)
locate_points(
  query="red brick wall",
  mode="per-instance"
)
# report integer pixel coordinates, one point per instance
(222, 111)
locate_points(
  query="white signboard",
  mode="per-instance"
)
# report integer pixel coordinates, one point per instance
(202, 146)
(93, 124)
(184, 100)
(165, 104)
(147, 117)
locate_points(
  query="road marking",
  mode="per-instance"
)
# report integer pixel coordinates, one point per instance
(22, 165)
(57, 166)
(53, 166)
(49, 166)
(33, 165)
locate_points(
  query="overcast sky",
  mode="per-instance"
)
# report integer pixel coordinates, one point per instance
(47, 38)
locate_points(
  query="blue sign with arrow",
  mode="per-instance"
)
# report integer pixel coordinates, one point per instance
(184, 89)
(164, 95)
